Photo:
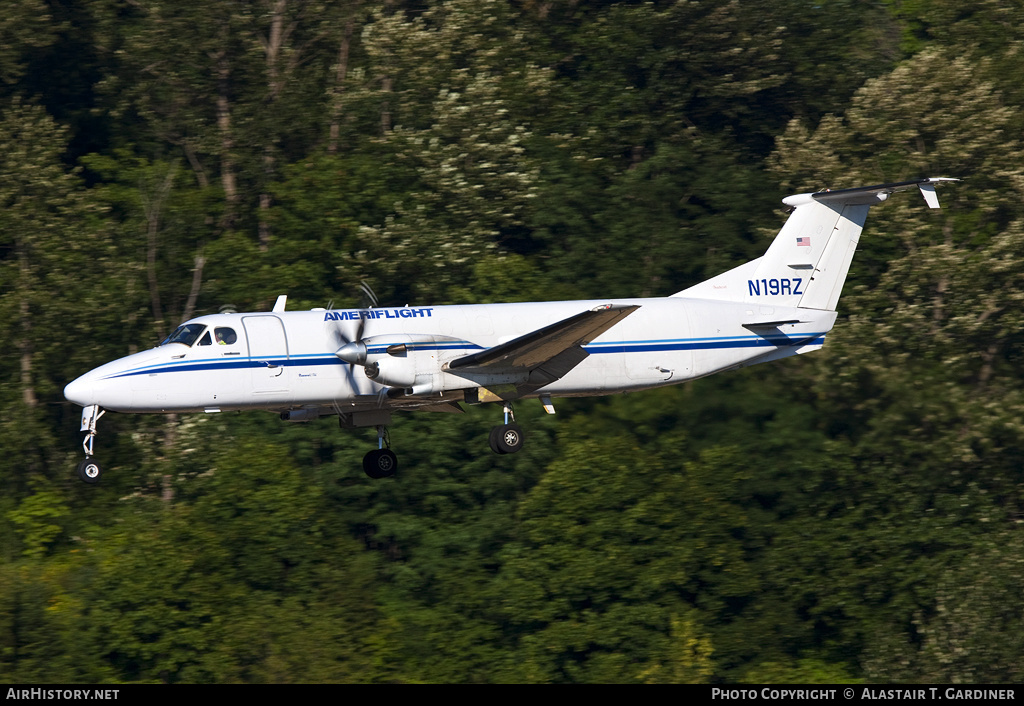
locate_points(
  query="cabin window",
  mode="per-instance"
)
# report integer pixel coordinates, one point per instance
(226, 336)
(186, 334)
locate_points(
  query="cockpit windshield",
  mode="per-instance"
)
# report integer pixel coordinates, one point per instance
(186, 333)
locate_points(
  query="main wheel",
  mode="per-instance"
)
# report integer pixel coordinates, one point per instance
(380, 463)
(493, 440)
(89, 470)
(509, 438)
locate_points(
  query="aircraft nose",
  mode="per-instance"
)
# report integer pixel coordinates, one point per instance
(80, 391)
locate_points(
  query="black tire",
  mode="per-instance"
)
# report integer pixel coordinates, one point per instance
(493, 440)
(380, 463)
(89, 470)
(510, 438)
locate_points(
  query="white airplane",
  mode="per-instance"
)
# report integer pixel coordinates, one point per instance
(303, 364)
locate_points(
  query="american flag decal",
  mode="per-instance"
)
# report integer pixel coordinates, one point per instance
(803, 241)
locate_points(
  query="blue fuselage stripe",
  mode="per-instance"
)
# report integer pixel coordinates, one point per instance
(706, 344)
(312, 359)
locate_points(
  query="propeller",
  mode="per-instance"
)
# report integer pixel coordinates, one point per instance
(352, 349)
(369, 298)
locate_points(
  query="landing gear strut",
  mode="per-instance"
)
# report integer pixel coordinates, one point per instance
(89, 470)
(381, 462)
(507, 438)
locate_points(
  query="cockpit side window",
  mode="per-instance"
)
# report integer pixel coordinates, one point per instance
(186, 334)
(226, 336)
(206, 340)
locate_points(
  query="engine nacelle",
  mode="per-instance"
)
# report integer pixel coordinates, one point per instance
(411, 363)
(393, 372)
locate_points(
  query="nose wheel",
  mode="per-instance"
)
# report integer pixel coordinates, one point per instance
(507, 438)
(90, 470)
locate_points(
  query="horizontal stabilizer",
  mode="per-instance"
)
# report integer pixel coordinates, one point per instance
(556, 341)
(869, 195)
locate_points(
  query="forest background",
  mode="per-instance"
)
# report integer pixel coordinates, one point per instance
(850, 515)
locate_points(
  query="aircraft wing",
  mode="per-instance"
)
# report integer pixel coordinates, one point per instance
(547, 353)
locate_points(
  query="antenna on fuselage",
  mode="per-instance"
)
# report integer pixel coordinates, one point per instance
(279, 304)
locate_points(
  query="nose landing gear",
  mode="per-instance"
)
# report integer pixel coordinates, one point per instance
(90, 470)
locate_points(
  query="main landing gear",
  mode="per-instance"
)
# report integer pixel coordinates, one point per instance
(381, 462)
(507, 438)
(90, 470)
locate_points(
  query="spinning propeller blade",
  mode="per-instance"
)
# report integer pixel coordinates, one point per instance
(351, 349)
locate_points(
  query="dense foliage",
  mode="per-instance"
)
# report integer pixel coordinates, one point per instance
(851, 515)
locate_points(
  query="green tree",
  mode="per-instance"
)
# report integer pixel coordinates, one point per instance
(973, 633)
(457, 92)
(26, 26)
(59, 275)
(918, 389)
(619, 567)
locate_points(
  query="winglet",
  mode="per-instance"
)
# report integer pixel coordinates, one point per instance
(927, 188)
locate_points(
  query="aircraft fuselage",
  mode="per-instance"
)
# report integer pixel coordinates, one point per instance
(285, 360)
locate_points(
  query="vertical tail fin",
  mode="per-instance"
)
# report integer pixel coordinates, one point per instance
(807, 263)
